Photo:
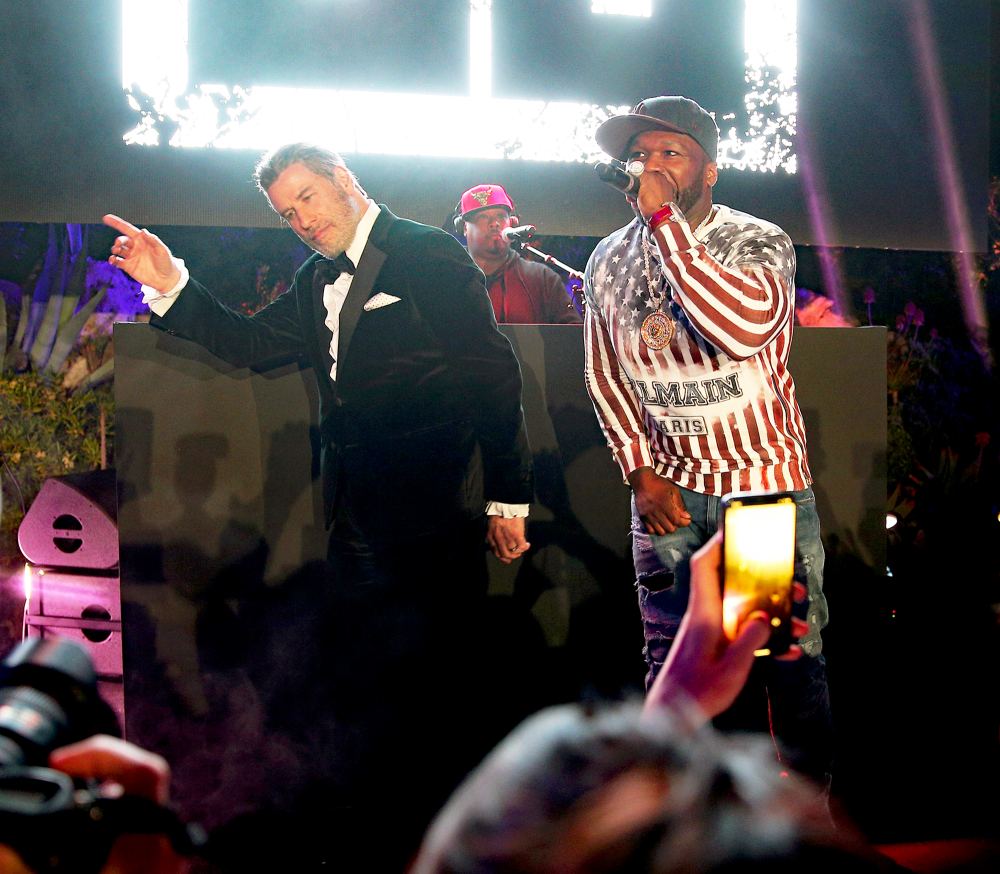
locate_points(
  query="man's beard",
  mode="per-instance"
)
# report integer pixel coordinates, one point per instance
(689, 197)
(344, 222)
(497, 247)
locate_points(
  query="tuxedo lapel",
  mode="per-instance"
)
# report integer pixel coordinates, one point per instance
(372, 259)
(361, 289)
(317, 312)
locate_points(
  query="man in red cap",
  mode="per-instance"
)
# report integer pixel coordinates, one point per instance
(687, 332)
(520, 290)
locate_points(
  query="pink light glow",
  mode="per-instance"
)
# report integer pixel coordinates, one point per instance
(948, 177)
(27, 580)
(817, 204)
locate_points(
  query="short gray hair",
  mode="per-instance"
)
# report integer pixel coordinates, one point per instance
(316, 158)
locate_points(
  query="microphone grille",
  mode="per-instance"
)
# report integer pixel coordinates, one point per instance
(606, 172)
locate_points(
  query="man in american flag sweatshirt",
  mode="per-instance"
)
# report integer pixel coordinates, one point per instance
(687, 330)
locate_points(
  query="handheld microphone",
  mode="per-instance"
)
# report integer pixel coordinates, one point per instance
(626, 181)
(518, 234)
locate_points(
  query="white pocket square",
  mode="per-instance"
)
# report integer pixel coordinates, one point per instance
(379, 300)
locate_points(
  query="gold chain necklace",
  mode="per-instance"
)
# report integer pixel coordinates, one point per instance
(657, 329)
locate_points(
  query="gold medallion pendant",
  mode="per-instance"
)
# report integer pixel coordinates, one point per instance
(657, 330)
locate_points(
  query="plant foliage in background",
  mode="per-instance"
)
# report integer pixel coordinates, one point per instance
(936, 388)
(56, 363)
(942, 458)
(47, 431)
(943, 464)
(53, 305)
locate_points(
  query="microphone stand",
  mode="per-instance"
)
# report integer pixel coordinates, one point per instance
(575, 275)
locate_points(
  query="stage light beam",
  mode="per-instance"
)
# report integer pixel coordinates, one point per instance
(949, 180)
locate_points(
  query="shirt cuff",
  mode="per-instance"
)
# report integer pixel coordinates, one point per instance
(507, 511)
(159, 302)
(632, 456)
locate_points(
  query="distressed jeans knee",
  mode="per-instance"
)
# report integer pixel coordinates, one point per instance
(662, 583)
(810, 558)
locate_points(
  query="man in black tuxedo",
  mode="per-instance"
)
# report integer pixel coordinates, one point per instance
(412, 370)
(422, 437)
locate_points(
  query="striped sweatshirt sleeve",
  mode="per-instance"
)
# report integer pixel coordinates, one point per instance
(618, 410)
(739, 307)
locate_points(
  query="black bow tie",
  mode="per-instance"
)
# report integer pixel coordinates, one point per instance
(343, 264)
(330, 268)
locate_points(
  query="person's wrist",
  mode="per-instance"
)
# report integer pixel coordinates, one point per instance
(668, 212)
(178, 272)
(640, 475)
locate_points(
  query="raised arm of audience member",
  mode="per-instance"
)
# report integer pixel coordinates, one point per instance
(703, 667)
(594, 790)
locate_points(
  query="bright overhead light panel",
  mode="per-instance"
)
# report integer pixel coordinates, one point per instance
(155, 77)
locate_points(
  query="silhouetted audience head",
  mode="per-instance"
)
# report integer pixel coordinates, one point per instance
(576, 790)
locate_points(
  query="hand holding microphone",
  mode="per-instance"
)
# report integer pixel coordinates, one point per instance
(659, 189)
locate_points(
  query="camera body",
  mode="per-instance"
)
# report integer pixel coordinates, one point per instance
(48, 699)
(758, 563)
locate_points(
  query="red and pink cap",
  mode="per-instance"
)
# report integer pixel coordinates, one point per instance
(481, 196)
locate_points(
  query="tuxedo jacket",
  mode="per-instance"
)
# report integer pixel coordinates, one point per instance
(424, 422)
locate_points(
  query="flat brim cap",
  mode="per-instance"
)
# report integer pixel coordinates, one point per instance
(484, 196)
(677, 114)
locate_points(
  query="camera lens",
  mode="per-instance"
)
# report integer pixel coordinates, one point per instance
(48, 698)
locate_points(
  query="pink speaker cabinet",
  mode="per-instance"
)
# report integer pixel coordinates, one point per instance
(72, 523)
(86, 609)
(73, 586)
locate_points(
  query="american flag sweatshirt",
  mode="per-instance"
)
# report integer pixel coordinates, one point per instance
(715, 410)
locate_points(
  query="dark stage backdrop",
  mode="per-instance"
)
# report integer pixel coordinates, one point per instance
(219, 520)
(871, 165)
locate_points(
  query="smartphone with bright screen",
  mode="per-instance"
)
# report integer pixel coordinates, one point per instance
(758, 549)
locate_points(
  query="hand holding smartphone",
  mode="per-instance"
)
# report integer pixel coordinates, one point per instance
(758, 563)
